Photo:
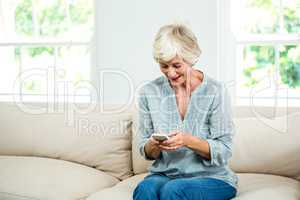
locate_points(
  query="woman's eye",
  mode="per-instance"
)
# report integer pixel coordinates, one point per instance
(177, 66)
(163, 66)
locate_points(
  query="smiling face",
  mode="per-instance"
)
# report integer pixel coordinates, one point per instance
(175, 70)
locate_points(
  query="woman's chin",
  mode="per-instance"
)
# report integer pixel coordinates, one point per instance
(176, 83)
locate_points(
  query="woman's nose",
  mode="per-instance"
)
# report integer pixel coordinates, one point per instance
(171, 72)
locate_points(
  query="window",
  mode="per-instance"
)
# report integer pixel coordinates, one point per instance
(45, 47)
(267, 49)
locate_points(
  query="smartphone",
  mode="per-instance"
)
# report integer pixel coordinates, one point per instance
(160, 137)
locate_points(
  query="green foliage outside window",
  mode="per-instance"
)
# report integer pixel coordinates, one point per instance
(51, 20)
(290, 65)
(264, 56)
(265, 6)
(24, 18)
(59, 18)
(292, 21)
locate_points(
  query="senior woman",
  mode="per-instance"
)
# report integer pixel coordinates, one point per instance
(194, 111)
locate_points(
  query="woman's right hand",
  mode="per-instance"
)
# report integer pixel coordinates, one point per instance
(154, 142)
(152, 148)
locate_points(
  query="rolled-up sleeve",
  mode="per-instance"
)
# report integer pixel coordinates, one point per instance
(145, 125)
(221, 129)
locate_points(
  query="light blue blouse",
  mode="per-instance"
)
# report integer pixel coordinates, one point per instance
(208, 116)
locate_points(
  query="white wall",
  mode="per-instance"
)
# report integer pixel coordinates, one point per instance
(125, 32)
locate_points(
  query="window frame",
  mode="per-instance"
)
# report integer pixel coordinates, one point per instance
(228, 58)
(53, 42)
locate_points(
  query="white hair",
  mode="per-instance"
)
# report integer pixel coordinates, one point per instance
(176, 40)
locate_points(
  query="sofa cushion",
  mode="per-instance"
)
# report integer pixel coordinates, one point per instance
(263, 186)
(24, 177)
(122, 191)
(267, 146)
(92, 138)
(251, 186)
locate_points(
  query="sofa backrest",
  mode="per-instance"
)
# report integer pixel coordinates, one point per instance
(87, 136)
(264, 144)
(267, 140)
(97, 138)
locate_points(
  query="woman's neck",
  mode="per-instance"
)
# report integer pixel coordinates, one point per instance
(193, 79)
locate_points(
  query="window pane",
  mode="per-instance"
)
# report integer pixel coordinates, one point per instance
(258, 64)
(42, 72)
(256, 16)
(9, 67)
(23, 19)
(40, 65)
(290, 66)
(37, 69)
(62, 19)
(73, 67)
(291, 12)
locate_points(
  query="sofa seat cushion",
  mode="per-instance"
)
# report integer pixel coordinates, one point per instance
(24, 177)
(264, 186)
(251, 186)
(121, 191)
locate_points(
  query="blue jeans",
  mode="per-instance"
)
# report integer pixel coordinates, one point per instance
(158, 186)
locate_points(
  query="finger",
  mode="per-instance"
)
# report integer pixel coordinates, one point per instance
(170, 148)
(154, 141)
(173, 133)
(169, 141)
(166, 148)
(174, 145)
(173, 148)
(166, 142)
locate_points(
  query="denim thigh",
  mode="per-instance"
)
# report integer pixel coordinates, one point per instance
(148, 189)
(197, 189)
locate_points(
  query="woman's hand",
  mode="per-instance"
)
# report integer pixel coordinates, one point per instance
(177, 140)
(153, 142)
(180, 139)
(152, 149)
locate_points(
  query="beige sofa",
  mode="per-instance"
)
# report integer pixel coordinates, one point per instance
(59, 152)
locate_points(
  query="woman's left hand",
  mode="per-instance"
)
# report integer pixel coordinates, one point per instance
(177, 140)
